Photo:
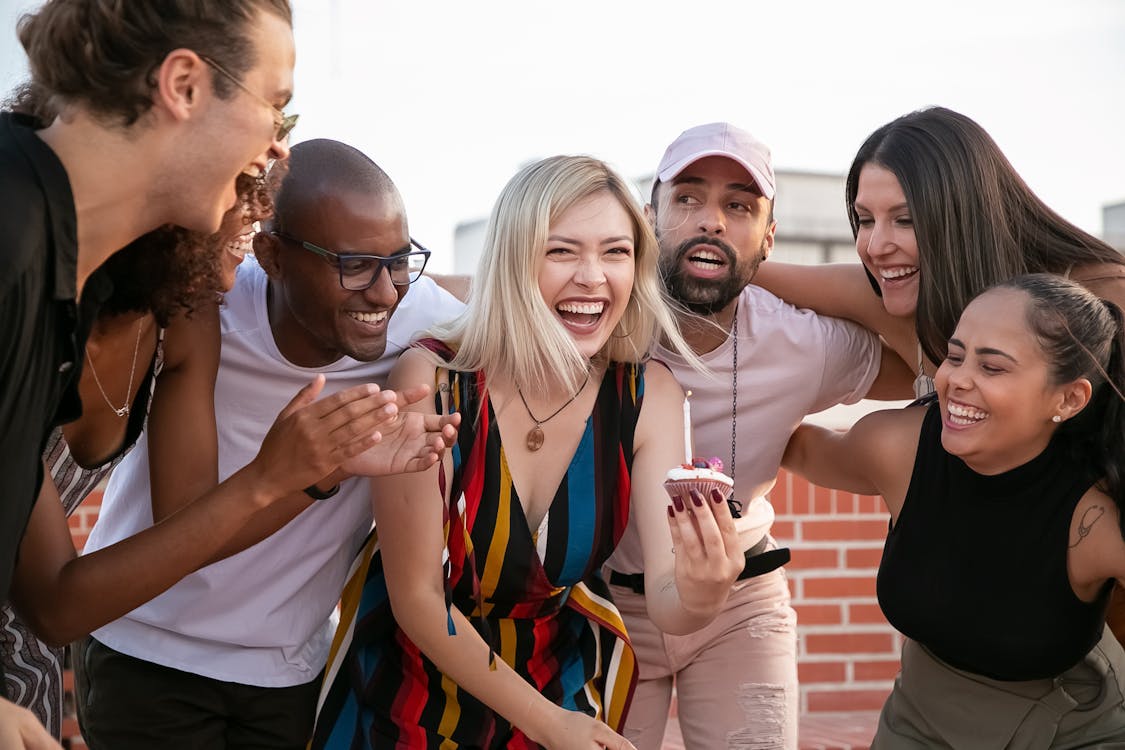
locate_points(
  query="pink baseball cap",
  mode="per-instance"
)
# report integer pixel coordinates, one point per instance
(719, 139)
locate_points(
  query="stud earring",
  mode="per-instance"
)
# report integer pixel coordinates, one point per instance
(1056, 419)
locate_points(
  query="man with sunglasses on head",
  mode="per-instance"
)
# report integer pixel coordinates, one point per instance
(231, 656)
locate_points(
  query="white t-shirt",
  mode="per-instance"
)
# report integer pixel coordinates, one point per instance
(791, 363)
(260, 617)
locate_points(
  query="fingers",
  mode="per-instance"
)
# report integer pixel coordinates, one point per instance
(684, 535)
(304, 397)
(607, 738)
(444, 425)
(408, 396)
(359, 419)
(716, 525)
(357, 446)
(19, 729)
(421, 463)
(705, 540)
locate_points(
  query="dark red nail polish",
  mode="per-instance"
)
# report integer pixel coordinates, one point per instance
(717, 497)
(678, 501)
(697, 499)
(671, 512)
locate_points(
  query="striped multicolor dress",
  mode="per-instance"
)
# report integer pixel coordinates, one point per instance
(536, 595)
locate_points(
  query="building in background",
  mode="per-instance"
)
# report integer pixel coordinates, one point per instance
(812, 226)
(1113, 224)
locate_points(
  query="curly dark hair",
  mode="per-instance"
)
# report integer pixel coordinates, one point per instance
(171, 269)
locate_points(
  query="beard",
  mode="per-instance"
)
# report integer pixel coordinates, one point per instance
(706, 296)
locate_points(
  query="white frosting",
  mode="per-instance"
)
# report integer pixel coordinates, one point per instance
(680, 474)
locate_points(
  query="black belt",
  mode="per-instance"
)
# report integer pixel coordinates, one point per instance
(758, 561)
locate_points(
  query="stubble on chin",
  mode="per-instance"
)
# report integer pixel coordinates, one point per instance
(701, 296)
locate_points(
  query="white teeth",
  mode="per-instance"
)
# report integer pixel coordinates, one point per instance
(707, 255)
(240, 245)
(897, 273)
(582, 308)
(374, 317)
(962, 415)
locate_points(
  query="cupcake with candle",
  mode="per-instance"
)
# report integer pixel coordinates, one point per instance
(701, 475)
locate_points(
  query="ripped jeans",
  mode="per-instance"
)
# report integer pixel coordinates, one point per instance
(735, 679)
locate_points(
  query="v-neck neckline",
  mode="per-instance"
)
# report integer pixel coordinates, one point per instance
(587, 432)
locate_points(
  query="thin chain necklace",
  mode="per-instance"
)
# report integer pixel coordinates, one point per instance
(124, 410)
(734, 394)
(535, 435)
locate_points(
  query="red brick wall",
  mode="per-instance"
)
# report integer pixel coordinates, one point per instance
(847, 653)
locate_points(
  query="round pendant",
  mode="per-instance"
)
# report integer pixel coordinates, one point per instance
(534, 439)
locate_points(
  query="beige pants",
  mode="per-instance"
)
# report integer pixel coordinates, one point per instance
(934, 705)
(735, 679)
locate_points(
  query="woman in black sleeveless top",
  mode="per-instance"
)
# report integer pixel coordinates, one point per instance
(1005, 498)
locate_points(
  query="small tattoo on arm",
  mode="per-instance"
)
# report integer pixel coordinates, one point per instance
(1086, 523)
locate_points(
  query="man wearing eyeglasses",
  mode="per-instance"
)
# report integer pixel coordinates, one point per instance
(161, 107)
(231, 657)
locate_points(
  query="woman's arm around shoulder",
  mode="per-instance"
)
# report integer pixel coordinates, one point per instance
(875, 457)
(840, 290)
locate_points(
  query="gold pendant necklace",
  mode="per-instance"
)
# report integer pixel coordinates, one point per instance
(535, 437)
(123, 410)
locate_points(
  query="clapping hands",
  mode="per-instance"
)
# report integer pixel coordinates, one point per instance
(409, 440)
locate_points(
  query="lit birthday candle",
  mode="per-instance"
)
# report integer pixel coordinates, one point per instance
(687, 429)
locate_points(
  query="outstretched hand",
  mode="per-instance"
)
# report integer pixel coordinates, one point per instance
(20, 730)
(412, 441)
(707, 549)
(310, 439)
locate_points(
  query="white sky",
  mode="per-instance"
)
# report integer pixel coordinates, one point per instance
(452, 97)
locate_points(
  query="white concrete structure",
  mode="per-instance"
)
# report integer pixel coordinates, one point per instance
(1113, 224)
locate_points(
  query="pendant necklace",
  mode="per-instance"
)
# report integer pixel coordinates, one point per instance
(535, 436)
(123, 411)
(923, 384)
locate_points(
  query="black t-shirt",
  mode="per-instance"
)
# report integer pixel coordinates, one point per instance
(975, 566)
(42, 329)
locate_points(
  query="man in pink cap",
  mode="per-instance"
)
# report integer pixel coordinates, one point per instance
(770, 365)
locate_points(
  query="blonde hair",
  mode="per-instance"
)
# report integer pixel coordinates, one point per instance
(508, 328)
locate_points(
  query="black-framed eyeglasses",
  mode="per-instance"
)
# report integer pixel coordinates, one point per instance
(285, 123)
(358, 272)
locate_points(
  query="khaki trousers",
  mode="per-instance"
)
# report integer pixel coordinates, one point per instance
(735, 679)
(934, 705)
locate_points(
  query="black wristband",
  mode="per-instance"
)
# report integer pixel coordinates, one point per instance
(318, 494)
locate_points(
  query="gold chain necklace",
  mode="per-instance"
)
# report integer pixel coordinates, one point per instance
(535, 436)
(124, 410)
